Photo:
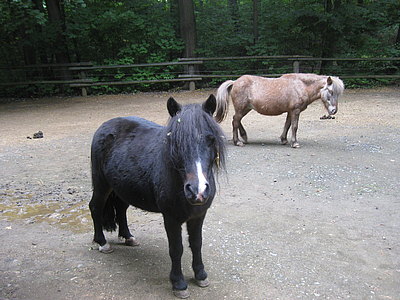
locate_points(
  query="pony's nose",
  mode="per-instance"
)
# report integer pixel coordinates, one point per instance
(195, 196)
(189, 191)
(332, 110)
(206, 193)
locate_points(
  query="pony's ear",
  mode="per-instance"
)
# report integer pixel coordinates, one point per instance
(210, 105)
(329, 81)
(173, 107)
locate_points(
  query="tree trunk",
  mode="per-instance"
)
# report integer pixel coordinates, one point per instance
(328, 5)
(29, 52)
(55, 11)
(187, 26)
(188, 33)
(256, 12)
(330, 37)
(41, 48)
(234, 9)
(174, 15)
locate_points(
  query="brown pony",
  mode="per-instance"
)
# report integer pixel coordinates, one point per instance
(290, 93)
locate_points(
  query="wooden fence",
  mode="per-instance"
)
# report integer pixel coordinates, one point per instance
(305, 64)
(199, 69)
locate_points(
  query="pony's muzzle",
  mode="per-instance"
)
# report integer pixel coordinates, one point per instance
(195, 196)
(332, 110)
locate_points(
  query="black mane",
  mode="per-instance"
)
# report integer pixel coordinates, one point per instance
(188, 127)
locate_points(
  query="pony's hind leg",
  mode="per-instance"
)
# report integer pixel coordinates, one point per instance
(123, 230)
(238, 126)
(243, 133)
(96, 205)
(235, 128)
(284, 140)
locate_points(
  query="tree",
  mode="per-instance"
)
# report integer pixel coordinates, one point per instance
(234, 10)
(41, 47)
(330, 33)
(256, 12)
(55, 11)
(188, 26)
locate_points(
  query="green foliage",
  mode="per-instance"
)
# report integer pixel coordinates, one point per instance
(147, 31)
(218, 34)
(138, 30)
(367, 83)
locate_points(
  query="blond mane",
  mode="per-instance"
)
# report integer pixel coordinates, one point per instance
(310, 78)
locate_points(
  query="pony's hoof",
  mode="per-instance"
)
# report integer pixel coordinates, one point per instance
(203, 283)
(239, 143)
(182, 294)
(295, 145)
(284, 142)
(106, 248)
(131, 242)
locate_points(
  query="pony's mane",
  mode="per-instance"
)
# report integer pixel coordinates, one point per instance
(338, 85)
(310, 78)
(188, 127)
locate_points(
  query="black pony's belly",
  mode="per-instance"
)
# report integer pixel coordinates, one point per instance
(139, 194)
(145, 206)
(142, 202)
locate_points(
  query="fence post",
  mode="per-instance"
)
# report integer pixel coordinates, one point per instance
(296, 66)
(82, 75)
(192, 85)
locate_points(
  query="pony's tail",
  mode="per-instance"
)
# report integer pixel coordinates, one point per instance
(109, 213)
(223, 93)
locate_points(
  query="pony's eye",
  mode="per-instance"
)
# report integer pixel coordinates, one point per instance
(210, 139)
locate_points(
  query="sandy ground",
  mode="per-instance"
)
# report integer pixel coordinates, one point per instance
(319, 222)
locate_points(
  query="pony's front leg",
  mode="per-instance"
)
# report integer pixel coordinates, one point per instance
(174, 233)
(284, 140)
(294, 123)
(194, 228)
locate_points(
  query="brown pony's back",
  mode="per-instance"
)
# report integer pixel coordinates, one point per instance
(267, 96)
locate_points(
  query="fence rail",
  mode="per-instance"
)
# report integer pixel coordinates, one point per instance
(191, 70)
(305, 64)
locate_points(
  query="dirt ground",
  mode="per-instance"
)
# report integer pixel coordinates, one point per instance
(319, 222)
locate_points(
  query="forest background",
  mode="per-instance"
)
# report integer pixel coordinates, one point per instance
(148, 31)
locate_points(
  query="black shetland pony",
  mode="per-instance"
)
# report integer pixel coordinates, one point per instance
(159, 169)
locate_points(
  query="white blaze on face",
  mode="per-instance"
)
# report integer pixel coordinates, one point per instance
(202, 180)
(326, 96)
